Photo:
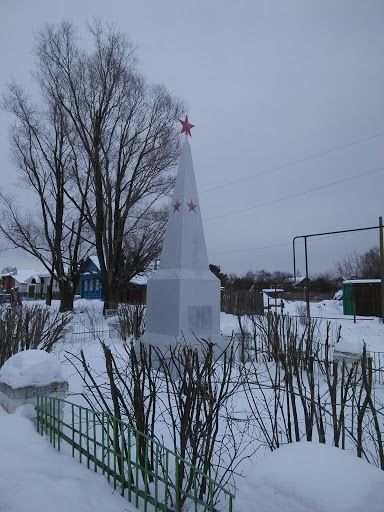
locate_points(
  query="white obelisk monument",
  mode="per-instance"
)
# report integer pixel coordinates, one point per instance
(183, 296)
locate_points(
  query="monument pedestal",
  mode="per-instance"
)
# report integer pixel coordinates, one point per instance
(182, 305)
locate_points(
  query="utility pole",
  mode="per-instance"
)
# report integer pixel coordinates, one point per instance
(307, 277)
(381, 266)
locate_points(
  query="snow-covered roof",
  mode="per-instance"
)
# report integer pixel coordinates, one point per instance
(142, 279)
(45, 274)
(23, 275)
(95, 261)
(139, 280)
(291, 280)
(362, 281)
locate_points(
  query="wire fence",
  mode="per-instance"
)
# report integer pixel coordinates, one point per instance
(242, 302)
(88, 330)
(377, 366)
(257, 348)
(143, 470)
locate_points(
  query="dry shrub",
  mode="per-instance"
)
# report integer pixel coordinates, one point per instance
(24, 328)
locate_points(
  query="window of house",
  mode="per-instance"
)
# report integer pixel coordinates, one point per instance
(97, 285)
(85, 285)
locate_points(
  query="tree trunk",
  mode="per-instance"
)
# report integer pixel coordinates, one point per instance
(48, 299)
(67, 293)
(111, 295)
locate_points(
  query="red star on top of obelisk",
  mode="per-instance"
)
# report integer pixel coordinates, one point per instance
(186, 126)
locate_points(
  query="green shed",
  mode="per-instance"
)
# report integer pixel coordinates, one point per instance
(362, 297)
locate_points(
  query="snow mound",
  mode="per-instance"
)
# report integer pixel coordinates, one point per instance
(31, 368)
(338, 295)
(311, 477)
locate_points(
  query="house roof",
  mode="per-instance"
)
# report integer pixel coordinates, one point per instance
(362, 281)
(291, 280)
(95, 261)
(23, 275)
(142, 279)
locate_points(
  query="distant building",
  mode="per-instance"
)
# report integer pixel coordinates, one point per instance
(45, 283)
(90, 281)
(273, 299)
(362, 297)
(91, 287)
(23, 279)
(30, 283)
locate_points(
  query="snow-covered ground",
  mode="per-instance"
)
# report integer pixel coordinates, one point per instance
(295, 478)
(311, 477)
(301, 477)
(369, 330)
(34, 477)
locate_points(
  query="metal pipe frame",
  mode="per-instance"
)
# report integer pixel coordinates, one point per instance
(306, 254)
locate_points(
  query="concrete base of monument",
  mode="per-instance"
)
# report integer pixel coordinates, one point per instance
(165, 350)
(182, 304)
(164, 342)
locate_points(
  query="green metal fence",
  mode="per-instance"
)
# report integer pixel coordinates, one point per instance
(150, 475)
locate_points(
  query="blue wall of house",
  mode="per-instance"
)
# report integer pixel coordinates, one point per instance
(90, 286)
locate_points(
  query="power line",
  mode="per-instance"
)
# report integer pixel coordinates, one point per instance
(298, 194)
(240, 180)
(253, 249)
(314, 239)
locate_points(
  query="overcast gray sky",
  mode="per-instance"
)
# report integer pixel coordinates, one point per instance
(268, 83)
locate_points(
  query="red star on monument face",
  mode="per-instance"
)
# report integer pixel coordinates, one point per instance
(176, 206)
(192, 207)
(186, 126)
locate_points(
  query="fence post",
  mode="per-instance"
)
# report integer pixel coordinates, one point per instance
(178, 496)
(37, 414)
(382, 267)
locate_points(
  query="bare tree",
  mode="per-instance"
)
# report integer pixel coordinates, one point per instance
(360, 266)
(45, 158)
(125, 130)
(142, 243)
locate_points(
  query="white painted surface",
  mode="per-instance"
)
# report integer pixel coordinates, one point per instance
(183, 296)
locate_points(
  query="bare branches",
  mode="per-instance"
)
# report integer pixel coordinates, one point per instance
(360, 266)
(99, 152)
(125, 131)
(295, 389)
(29, 328)
(43, 152)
